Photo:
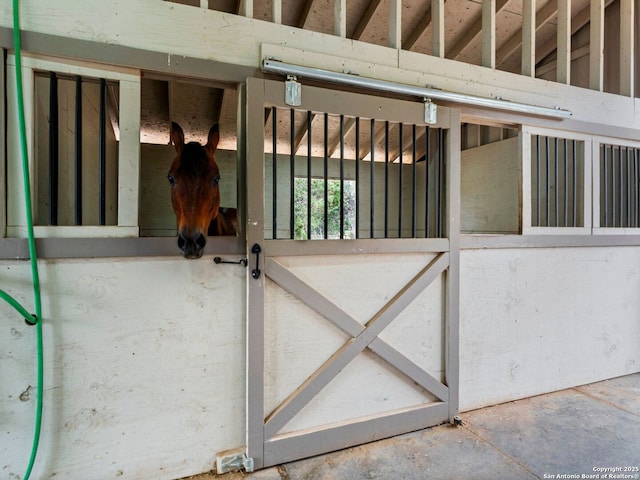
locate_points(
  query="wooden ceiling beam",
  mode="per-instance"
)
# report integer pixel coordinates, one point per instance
(366, 19)
(473, 31)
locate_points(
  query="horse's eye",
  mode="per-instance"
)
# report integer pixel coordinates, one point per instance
(215, 180)
(172, 180)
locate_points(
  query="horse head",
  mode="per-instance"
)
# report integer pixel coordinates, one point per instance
(195, 195)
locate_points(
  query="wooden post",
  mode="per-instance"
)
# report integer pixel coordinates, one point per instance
(395, 24)
(596, 51)
(627, 45)
(340, 18)
(529, 38)
(489, 33)
(437, 28)
(563, 72)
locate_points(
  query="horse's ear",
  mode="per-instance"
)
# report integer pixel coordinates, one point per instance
(214, 137)
(177, 136)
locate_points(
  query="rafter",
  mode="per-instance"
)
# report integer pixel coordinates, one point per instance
(366, 19)
(304, 16)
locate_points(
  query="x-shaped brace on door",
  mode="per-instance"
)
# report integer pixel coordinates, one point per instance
(363, 336)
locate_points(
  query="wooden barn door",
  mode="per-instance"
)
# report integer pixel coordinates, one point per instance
(352, 309)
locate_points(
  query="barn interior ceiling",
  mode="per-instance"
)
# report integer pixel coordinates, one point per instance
(197, 105)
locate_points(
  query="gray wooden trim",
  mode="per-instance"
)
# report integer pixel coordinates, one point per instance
(281, 248)
(293, 446)
(452, 312)
(324, 307)
(3, 146)
(476, 242)
(254, 114)
(17, 248)
(339, 360)
(127, 57)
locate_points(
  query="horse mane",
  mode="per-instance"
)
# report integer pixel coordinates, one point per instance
(193, 160)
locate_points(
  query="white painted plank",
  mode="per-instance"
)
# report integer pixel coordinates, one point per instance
(276, 11)
(129, 154)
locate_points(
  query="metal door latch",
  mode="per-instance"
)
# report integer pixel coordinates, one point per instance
(242, 261)
(233, 463)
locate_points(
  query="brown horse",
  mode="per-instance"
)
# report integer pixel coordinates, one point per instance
(195, 194)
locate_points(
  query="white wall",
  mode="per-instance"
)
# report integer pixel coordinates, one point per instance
(144, 368)
(537, 320)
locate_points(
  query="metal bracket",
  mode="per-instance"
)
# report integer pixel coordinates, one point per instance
(430, 111)
(243, 261)
(292, 91)
(233, 463)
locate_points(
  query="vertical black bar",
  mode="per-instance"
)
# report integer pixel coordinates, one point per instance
(555, 179)
(604, 196)
(613, 187)
(575, 186)
(326, 176)
(566, 182)
(628, 176)
(439, 166)
(413, 181)
(78, 152)
(548, 189)
(386, 179)
(620, 188)
(371, 180)
(636, 181)
(357, 177)
(400, 150)
(53, 149)
(538, 187)
(341, 176)
(102, 156)
(427, 135)
(292, 172)
(274, 180)
(309, 118)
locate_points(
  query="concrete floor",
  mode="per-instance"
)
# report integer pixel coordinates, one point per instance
(574, 433)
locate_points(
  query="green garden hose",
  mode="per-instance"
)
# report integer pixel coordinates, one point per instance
(37, 318)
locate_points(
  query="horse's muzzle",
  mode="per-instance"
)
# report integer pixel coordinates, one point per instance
(191, 246)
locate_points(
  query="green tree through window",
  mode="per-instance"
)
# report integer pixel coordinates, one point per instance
(317, 209)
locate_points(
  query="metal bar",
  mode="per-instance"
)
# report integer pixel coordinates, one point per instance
(555, 179)
(538, 188)
(309, 121)
(400, 149)
(613, 187)
(274, 179)
(439, 182)
(292, 172)
(341, 176)
(78, 152)
(274, 66)
(102, 156)
(575, 186)
(53, 149)
(636, 180)
(371, 181)
(413, 181)
(566, 182)
(427, 146)
(358, 161)
(628, 177)
(620, 187)
(604, 196)
(386, 179)
(326, 176)
(547, 186)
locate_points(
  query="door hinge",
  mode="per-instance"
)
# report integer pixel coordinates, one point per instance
(232, 462)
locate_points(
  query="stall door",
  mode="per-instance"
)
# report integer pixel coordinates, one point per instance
(352, 310)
